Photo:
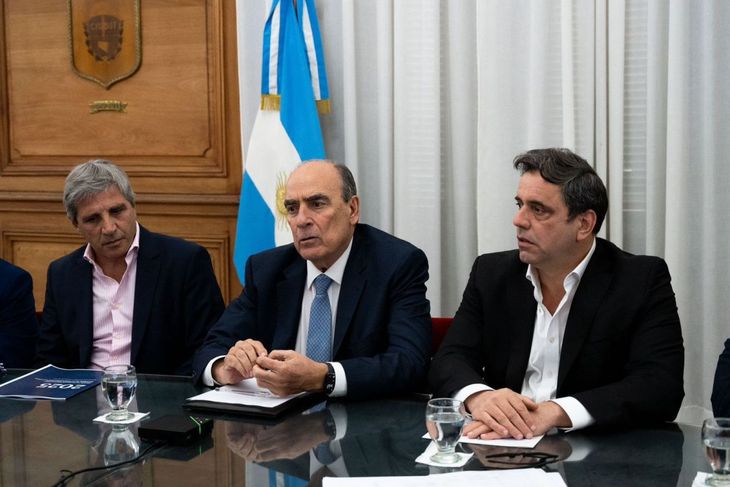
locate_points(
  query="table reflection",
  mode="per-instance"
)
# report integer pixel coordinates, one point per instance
(39, 440)
(642, 456)
(344, 440)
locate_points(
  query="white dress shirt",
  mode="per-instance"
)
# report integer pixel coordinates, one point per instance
(335, 272)
(541, 377)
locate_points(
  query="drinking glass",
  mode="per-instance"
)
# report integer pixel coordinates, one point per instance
(119, 383)
(444, 422)
(121, 445)
(716, 438)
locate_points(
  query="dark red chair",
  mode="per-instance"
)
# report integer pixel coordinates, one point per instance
(439, 327)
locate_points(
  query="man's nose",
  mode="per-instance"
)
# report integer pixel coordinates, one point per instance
(108, 225)
(303, 217)
(520, 219)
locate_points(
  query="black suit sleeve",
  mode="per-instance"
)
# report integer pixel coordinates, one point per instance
(403, 362)
(236, 323)
(721, 387)
(18, 323)
(649, 386)
(202, 303)
(459, 360)
(52, 347)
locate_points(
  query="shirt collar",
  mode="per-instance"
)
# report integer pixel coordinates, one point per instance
(573, 277)
(335, 271)
(133, 249)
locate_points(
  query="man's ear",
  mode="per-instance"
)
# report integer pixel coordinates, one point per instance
(587, 222)
(354, 207)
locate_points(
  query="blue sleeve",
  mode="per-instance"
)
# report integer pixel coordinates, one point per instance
(18, 322)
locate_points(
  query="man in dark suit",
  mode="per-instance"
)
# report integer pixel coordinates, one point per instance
(721, 387)
(379, 337)
(18, 324)
(567, 331)
(128, 295)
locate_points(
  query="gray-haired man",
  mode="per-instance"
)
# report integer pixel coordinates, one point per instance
(128, 295)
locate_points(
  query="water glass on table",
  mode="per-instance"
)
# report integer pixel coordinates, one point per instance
(444, 421)
(716, 438)
(119, 383)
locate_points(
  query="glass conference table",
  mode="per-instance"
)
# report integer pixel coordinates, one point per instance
(40, 440)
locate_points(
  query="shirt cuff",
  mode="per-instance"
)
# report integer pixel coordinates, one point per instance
(340, 380)
(208, 373)
(578, 414)
(464, 393)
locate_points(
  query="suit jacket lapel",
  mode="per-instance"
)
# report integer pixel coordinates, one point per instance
(522, 310)
(591, 290)
(353, 283)
(148, 270)
(289, 293)
(85, 298)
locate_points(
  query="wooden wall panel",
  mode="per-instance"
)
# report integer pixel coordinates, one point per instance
(34, 251)
(178, 139)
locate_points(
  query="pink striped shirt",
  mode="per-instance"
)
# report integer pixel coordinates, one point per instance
(113, 309)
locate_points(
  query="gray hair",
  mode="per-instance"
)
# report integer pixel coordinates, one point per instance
(91, 178)
(349, 189)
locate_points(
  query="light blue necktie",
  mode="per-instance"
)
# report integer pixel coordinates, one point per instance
(319, 338)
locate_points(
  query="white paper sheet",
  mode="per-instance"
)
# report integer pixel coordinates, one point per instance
(700, 479)
(533, 477)
(245, 392)
(431, 449)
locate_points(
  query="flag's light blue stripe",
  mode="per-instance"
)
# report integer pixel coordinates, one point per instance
(255, 227)
(324, 92)
(298, 109)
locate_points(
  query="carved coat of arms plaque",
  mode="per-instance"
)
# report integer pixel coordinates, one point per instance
(105, 38)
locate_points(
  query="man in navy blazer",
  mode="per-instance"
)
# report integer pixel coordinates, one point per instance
(18, 323)
(568, 331)
(381, 334)
(721, 387)
(128, 295)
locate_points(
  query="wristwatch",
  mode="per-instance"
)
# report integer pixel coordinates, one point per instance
(329, 379)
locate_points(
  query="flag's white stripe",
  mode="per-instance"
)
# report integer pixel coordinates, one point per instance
(271, 156)
(274, 50)
(311, 51)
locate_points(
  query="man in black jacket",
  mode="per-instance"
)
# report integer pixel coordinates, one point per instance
(128, 295)
(567, 331)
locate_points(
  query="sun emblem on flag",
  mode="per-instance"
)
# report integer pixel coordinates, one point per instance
(280, 194)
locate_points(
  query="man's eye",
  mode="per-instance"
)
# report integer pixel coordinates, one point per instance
(519, 204)
(290, 209)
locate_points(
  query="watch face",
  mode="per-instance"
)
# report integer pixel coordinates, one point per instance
(329, 383)
(329, 379)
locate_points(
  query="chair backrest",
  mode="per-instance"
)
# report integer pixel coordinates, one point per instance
(439, 327)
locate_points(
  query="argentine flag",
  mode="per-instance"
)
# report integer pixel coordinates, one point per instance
(286, 130)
